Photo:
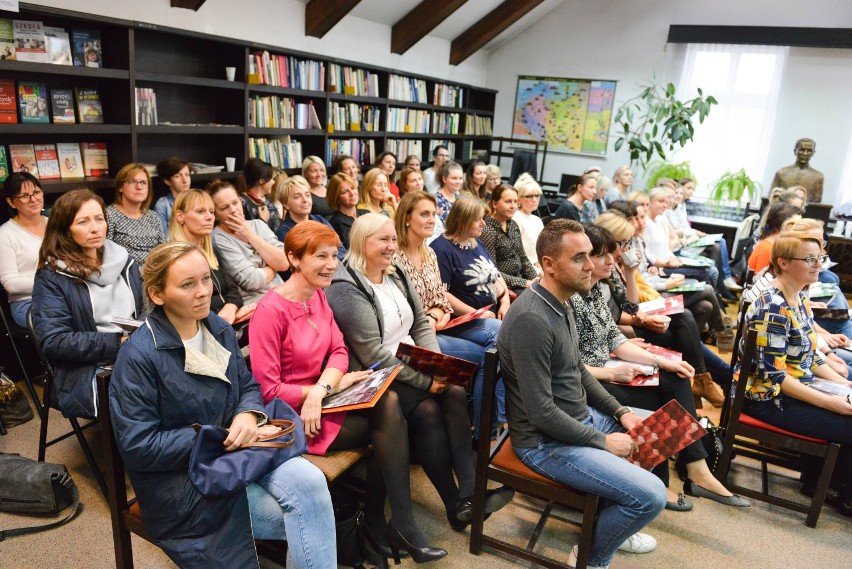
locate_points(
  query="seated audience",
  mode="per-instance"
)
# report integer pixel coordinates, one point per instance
(176, 175)
(184, 367)
(412, 161)
(777, 215)
(345, 164)
(386, 162)
(131, 223)
(279, 179)
(375, 307)
(474, 180)
(593, 208)
(622, 180)
(502, 238)
(530, 224)
(83, 281)
(432, 175)
(452, 178)
(585, 190)
(343, 197)
(778, 392)
(375, 194)
(562, 423)
(247, 250)
(493, 178)
(20, 241)
(313, 170)
(192, 220)
(259, 180)
(295, 194)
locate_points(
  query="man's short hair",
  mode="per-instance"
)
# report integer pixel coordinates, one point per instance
(801, 140)
(550, 238)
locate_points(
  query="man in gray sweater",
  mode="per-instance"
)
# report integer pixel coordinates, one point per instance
(563, 424)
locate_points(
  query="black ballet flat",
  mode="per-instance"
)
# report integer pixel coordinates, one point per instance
(418, 554)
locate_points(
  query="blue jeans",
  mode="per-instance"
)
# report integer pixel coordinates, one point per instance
(726, 259)
(292, 502)
(718, 368)
(470, 342)
(632, 497)
(20, 310)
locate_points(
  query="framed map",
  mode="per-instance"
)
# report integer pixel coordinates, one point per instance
(571, 115)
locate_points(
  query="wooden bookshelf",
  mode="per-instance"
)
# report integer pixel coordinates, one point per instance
(208, 115)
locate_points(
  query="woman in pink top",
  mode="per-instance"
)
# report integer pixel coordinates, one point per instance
(298, 355)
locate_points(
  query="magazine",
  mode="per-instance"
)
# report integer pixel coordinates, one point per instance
(665, 432)
(649, 375)
(457, 371)
(665, 306)
(469, 317)
(363, 394)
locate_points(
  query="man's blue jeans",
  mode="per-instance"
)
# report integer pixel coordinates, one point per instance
(632, 497)
(292, 502)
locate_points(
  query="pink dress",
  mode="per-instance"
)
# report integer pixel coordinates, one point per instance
(291, 344)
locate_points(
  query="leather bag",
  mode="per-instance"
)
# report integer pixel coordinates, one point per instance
(216, 472)
(14, 406)
(36, 488)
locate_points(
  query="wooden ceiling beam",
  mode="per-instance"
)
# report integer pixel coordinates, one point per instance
(421, 20)
(188, 4)
(489, 27)
(322, 15)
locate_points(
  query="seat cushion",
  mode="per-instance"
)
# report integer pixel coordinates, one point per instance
(758, 424)
(507, 460)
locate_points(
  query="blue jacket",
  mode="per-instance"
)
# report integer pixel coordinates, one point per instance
(68, 337)
(287, 224)
(153, 402)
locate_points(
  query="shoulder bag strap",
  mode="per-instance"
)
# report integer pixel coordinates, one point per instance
(76, 508)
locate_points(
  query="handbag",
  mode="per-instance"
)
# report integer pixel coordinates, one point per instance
(712, 443)
(215, 472)
(35, 488)
(14, 407)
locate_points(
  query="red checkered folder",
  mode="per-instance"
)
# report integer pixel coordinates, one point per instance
(667, 431)
(469, 317)
(456, 370)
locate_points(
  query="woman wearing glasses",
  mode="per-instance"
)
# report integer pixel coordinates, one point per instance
(777, 391)
(132, 224)
(20, 240)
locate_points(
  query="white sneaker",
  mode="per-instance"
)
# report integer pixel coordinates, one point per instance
(639, 543)
(732, 284)
(572, 560)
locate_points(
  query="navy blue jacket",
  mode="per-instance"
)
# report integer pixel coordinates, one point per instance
(287, 224)
(68, 337)
(153, 403)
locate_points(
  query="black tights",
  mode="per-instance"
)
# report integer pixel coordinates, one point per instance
(705, 308)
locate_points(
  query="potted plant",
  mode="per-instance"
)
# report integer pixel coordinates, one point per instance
(661, 169)
(732, 187)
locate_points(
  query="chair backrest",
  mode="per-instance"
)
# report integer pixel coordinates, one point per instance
(484, 450)
(747, 365)
(744, 306)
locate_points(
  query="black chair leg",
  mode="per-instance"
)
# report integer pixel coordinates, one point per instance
(42, 436)
(3, 430)
(90, 457)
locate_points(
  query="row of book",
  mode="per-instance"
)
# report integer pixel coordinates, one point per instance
(65, 160)
(445, 123)
(448, 95)
(32, 103)
(146, 106)
(403, 148)
(352, 81)
(363, 151)
(349, 116)
(476, 125)
(282, 112)
(408, 120)
(280, 153)
(30, 40)
(451, 146)
(286, 71)
(407, 89)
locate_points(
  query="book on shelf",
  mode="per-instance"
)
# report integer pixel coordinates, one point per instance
(665, 432)
(279, 152)
(95, 161)
(352, 81)
(32, 102)
(47, 160)
(363, 151)
(404, 148)
(8, 102)
(70, 160)
(456, 370)
(62, 106)
(286, 71)
(448, 95)
(475, 125)
(415, 121)
(58, 46)
(89, 107)
(445, 123)
(353, 117)
(7, 39)
(29, 41)
(4, 164)
(87, 48)
(200, 168)
(451, 146)
(362, 395)
(146, 106)
(23, 158)
(407, 89)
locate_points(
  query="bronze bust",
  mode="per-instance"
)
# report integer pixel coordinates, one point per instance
(800, 173)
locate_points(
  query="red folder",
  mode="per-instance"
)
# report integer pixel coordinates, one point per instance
(465, 318)
(456, 370)
(667, 431)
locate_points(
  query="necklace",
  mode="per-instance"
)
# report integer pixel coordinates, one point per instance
(380, 288)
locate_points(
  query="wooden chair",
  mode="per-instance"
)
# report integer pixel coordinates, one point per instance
(501, 464)
(768, 444)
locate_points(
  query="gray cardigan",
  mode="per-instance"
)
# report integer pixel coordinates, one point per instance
(243, 263)
(359, 317)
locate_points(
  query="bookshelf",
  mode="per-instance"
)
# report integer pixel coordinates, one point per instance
(281, 100)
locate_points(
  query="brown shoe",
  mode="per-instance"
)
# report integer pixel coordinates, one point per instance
(703, 386)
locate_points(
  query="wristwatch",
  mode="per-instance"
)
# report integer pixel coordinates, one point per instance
(621, 411)
(325, 386)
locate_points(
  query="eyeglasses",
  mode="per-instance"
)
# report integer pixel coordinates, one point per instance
(25, 198)
(143, 183)
(811, 261)
(624, 244)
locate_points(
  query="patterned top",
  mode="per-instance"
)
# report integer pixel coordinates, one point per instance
(619, 292)
(468, 273)
(786, 344)
(599, 334)
(138, 236)
(251, 211)
(427, 281)
(507, 250)
(444, 205)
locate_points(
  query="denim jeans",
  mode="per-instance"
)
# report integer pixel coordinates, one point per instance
(718, 368)
(470, 342)
(632, 497)
(292, 502)
(20, 310)
(837, 301)
(726, 259)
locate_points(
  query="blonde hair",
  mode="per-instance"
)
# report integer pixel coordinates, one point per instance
(155, 271)
(312, 160)
(282, 189)
(616, 224)
(637, 194)
(364, 227)
(788, 245)
(797, 223)
(367, 183)
(184, 202)
(465, 211)
(526, 185)
(493, 170)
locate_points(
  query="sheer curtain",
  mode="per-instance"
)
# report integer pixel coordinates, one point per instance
(745, 80)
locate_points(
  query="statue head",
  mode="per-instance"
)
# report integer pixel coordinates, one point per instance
(804, 150)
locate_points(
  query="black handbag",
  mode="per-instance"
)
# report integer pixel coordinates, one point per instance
(14, 407)
(36, 488)
(712, 442)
